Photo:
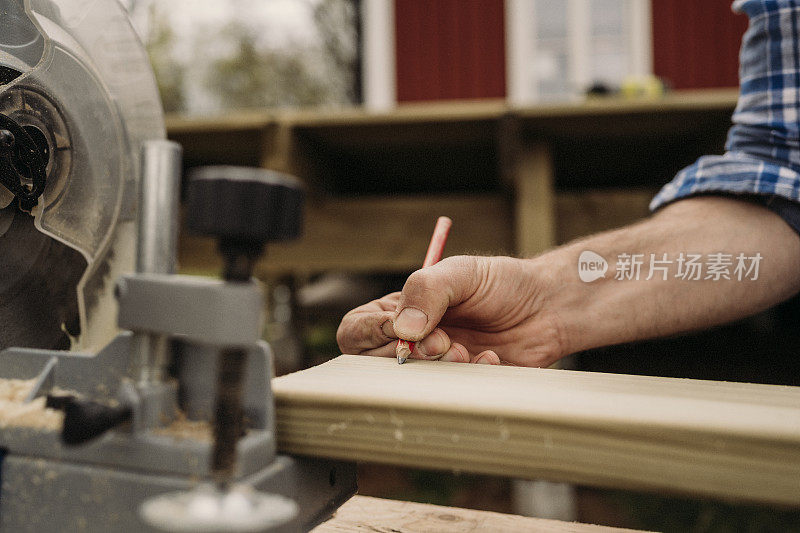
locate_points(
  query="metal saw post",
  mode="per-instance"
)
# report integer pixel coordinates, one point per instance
(159, 193)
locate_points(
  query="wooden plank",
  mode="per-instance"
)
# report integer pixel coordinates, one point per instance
(278, 152)
(458, 110)
(370, 234)
(685, 100)
(369, 240)
(681, 112)
(728, 440)
(362, 513)
(434, 133)
(578, 214)
(447, 111)
(221, 143)
(237, 120)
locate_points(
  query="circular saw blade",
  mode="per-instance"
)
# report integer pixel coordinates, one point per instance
(81, 81)
(38, 298)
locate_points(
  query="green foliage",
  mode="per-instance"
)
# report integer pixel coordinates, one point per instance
(228, 65)
(170, 74)
(337, 22)
(295, 75)
(263, 78)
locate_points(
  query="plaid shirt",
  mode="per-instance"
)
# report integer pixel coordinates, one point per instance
(763, 148)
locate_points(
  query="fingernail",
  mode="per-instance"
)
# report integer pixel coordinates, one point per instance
(482, 360)
(431, 346)
(410, 323)
(456, 354)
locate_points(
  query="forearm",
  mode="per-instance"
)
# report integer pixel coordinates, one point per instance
(610, 311)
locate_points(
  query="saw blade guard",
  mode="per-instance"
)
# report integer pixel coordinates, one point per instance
(75, 73)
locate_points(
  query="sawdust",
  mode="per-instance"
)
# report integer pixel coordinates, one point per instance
(184, 429)
(14, 412)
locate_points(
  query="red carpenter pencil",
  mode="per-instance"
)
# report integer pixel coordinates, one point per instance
(435, 250)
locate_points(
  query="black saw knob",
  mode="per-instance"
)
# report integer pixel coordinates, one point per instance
(244, 204)
(244, 208)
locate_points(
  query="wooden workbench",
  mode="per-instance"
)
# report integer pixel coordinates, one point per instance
(372, 515)
(515, 180)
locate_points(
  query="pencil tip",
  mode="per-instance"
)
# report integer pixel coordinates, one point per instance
(403, 350)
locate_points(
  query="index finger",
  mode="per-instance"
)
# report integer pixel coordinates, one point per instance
(368, 326)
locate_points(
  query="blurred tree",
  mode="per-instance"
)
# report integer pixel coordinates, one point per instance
(338, 23)
(296, 74)
(205, 64)
(170, 74)
(250, 77)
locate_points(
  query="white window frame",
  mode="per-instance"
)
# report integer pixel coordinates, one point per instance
(521, 39)
(379, 78)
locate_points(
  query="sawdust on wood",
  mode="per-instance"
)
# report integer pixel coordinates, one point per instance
(14, 412)
(184, 429)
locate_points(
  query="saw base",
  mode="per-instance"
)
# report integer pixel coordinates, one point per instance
(89, 498)
(99, 486)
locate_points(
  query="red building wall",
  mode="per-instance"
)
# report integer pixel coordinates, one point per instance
(696, 42)
(450, 49)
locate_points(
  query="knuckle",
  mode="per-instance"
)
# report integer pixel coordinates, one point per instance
(447, 283)
(350, 330)
(342, 335)
(463, 271)
(420, 280)
(376, 333)
(362, 331)
(451, 270)
(466, 262)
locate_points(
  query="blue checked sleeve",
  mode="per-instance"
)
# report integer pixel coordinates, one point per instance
(762, 158)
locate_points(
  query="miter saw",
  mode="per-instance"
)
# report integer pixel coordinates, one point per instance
(131, 399)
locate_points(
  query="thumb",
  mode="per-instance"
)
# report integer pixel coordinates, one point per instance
(430, 291)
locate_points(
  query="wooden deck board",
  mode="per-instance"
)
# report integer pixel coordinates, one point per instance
(727, 440)
(372, 515)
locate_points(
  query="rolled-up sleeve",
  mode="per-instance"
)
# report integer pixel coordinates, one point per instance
(762, 159)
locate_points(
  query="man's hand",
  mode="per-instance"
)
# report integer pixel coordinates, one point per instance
(532, 312)
(463, 309)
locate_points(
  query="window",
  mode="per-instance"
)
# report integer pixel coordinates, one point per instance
(557, 49)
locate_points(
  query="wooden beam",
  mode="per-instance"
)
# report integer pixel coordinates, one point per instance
(370, 515)
(699, 101)
(239, 137)
(727, 440)
(534, 200)
(278, 152)
(579, 214)
(389, 234)
(372, 234)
